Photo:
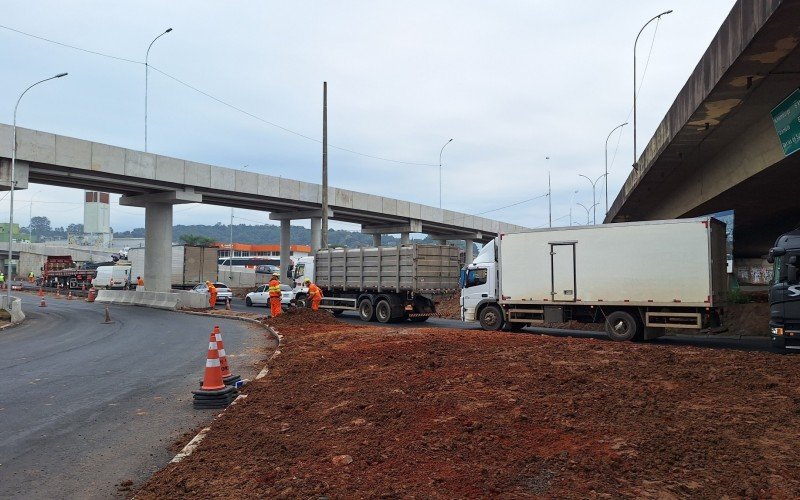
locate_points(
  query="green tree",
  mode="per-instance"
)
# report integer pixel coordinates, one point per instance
(199, 241)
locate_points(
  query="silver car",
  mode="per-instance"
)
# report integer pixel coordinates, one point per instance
(261, 296)
(223, 292)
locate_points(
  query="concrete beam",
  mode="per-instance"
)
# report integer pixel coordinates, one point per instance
(300, 214)
(376, 240)
(158, 252)
(165, 197)
(469, 254)
(316, 234)
(404, 239)
(414, 226)
(20, 174)
(286, 226)
(463, 236)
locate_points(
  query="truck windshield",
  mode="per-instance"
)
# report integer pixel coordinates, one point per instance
(475, 277)
(298, 270)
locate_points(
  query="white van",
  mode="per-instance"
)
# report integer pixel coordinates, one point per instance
(112, 277)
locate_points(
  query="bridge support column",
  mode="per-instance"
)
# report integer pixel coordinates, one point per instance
(316, 234)
(286, 225)
(158, 247)
(404, 239)
(440, 242)
(376, 240)
(469, 254)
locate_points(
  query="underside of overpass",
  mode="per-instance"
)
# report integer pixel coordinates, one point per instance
(717, 148)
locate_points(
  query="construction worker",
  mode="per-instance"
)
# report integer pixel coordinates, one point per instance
(2, 280)
(275, 295)
(139, 281)
(212, 290)
(314, 294)
(31, 277)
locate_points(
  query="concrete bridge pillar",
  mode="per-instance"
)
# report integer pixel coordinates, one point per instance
(440, 242)
(316, 234)
(468, 251)
(376, 240)
(158, 247)
(404, 239)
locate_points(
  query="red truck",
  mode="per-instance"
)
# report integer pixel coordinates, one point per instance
(62, 271)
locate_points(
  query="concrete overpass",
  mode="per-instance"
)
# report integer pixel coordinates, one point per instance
(717, 148)
(158, 182)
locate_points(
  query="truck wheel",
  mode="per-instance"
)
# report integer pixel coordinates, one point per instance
(621, 326)
(491, 318)
(383, 312)
(248, 302)
(365, 310)
(301, 301)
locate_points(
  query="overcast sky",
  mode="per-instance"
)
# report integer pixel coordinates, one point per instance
(512, 82)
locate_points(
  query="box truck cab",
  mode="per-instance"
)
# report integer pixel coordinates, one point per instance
(784, 293)
(112, 277)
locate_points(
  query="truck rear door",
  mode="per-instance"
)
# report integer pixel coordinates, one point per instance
(562, 268)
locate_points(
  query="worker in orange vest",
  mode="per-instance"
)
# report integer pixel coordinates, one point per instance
(139, 281)
(212, 300)
(314, 294)
(275, 295)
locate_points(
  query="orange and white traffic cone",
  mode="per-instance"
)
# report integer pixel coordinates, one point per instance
(42, 303)
(58, 292)
(69, 297)
(92, 295)
(41, 292)
(227, 377)
(228, 305)
(213, 393)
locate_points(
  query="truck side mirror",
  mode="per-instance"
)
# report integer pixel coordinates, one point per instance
(289, 271)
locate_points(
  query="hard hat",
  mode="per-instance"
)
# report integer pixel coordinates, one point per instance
(307, 280)
(275, 274)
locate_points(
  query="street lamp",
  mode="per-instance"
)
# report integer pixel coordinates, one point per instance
(607, 138)
(635, 158)
(440, 172)
(571, 202)
(594, 199)
(146, 75)
(587, 211)
(11, 182)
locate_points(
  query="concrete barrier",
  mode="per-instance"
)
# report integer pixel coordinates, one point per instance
(192, 300)
(158, 300)
(17, 316)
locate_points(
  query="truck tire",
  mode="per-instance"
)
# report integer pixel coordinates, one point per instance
(383, 311)
(621, 326)
(365, 310)
(248, 302)
(491, 318)
(301, 301)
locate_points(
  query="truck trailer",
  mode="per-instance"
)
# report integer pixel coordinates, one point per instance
(637, 278)
(191, 265)
(62, 272)
(387, 284)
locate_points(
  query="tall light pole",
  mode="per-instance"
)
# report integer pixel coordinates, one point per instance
(11, 185)
(146, 78)
(636, 158)
(607, 138)
(571, 202)
(440, 171)
(594, 198)
(587, 210)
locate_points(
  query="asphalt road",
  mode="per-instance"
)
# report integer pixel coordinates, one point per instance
(707, 341)
(85, 405)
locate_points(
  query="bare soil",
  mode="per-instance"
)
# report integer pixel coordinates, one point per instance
(361, 411)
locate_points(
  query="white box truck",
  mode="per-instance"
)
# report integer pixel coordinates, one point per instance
(191, 265)
(638, 278)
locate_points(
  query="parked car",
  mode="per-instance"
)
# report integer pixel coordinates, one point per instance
(223, 292)
(261, 296)
(267, 269)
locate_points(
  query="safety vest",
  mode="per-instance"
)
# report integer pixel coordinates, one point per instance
(314, 292)
(274, 288)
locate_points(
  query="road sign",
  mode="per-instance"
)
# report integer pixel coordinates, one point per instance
(786, 118)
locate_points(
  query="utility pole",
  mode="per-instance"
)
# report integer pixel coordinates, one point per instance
(549, 201)
(324, 240)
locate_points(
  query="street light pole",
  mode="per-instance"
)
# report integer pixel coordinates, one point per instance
(571, 202)
(594, 199)
(607, 138)
(11, 186)
(440, 171)
(587, 211)
(146, 78)
(635, 158)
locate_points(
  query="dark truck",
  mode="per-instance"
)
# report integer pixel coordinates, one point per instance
(784, 294)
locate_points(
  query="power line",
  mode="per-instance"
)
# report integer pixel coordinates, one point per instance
(218, 100)
(512, 205)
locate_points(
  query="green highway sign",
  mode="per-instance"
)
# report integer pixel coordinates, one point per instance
(786, 118)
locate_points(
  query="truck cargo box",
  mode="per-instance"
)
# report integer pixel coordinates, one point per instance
(669, 263)
(421, 268)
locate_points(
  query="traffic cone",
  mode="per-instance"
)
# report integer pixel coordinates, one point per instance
(69, 297)
(227, 377)
(41, 292)
(227, 305)
(108, 320)
(92, 295)
(83, 287)
(58, 292)
(213, 393)
(42, 304)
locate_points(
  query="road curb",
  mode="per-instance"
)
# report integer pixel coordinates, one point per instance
(197, 439)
